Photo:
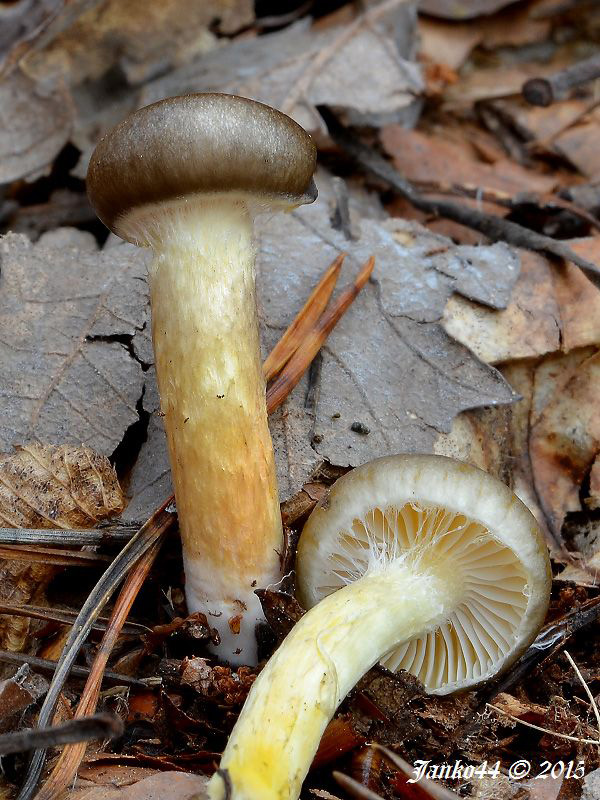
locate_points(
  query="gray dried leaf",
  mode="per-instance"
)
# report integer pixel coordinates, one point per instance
(66, 316)
(150, 482)
(34, 126)
(390, 377)
(299, 68)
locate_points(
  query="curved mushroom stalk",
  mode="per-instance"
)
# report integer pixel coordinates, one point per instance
(293, 699)
(422, 561)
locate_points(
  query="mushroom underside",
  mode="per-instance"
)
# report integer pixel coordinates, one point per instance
(483, 629)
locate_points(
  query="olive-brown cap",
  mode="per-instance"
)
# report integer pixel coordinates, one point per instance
(200, 143)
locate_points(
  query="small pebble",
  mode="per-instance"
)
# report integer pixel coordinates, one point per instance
(360, 427)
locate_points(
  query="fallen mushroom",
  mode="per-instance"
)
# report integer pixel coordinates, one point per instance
(186, 176)
(422, 561)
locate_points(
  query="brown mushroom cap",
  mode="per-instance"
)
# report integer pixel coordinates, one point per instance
(200, 143)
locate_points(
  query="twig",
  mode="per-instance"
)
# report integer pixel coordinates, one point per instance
(52, 555)
(494, 227)
(354, 788)
(545, 91)
(432, 788)
(46, 665)
(99, 726)
(71, 757)
(85, 538)
(543, 730)
(65, 617)
(144, 539)
(591, 697)
(296, 366)
(504, 199)
(304, 321)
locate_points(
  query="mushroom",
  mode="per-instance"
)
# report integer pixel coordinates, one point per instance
(422, 561)
(185, 177)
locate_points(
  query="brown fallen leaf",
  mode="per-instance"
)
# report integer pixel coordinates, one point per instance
(578, 299)
(530, 326)
(431, 159)
(540, 125)
(43, 486)
(576, 143)
(565, 441)
(174, 785)
(18, 693)
(137, 36)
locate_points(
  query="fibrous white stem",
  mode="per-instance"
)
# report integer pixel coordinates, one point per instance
(278, 732)
(212, 393)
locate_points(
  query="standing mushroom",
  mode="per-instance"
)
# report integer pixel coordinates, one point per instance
(424, 561)
(186, 176)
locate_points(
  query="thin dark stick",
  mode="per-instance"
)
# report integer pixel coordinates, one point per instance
(85, 538)
(52, 555)
(148, 534)
(46, 665)
(98, 726)
(495, 228)
(545, 91)
(66, 617)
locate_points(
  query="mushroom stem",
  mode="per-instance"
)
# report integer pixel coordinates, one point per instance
(278, 732)
(212, 390)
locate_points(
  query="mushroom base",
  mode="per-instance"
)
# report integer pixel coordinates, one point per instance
(289, 706)
(212, 394)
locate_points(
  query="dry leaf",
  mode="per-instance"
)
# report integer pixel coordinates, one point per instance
(299, 68)
(565, 441)
(553, 307)
(530, 326)
(174, 785)
(18, 693)
(57, 487)
(388, 367)
(579, 145)
(447, 43)
(579, 299)
(426, 158)
(35, 124)
(537, 123)
(48, 487)
(138, 36)
(66, 316)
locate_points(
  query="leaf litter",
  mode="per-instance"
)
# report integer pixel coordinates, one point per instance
(455, 345)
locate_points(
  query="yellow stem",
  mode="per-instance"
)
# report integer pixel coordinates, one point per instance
(212, 390)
